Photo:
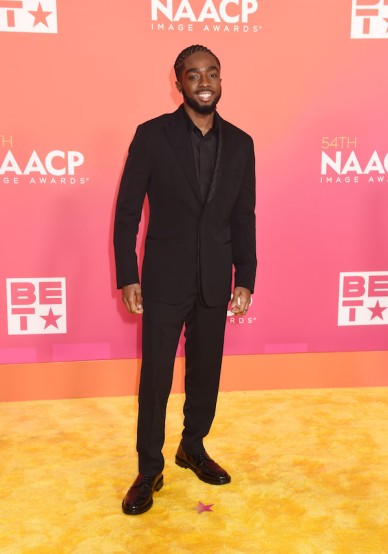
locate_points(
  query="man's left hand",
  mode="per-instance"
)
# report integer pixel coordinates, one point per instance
(240, 301)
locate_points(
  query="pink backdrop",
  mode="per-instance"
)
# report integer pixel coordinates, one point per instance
(306, 79)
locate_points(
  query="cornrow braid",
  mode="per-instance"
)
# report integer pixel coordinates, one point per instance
(178, 65)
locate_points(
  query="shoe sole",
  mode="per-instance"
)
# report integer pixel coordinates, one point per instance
(138, 511)
(182, 463)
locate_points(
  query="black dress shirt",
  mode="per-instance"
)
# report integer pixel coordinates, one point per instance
(205, 152)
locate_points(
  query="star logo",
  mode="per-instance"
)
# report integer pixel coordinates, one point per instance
(203, 507)
(40, 16)
(50, 319)
(377, 311)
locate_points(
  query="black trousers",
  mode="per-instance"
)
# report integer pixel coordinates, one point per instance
(204, 334)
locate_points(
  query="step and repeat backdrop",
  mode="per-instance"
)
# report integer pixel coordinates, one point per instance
(306, 79)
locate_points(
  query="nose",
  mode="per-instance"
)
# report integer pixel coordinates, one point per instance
(204, 79)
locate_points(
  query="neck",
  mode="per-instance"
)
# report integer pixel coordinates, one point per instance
(204, 122)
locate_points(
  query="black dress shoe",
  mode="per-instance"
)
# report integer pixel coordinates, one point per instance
(139, 497)
(204, 467)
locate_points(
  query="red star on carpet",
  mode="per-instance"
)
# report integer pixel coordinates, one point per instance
(203, 507)
(51, 319)
(40, 16)
(377, 311)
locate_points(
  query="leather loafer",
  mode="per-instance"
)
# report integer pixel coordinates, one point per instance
(203, 466)
(139, 497)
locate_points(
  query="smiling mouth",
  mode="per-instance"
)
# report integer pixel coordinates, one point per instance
(205, 96)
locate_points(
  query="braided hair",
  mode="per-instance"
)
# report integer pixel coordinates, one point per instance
(178, 65)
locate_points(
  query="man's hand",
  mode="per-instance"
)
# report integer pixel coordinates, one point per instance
(240, 301)
(132, 298)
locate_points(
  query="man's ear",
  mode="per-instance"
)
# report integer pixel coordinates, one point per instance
(178, 86)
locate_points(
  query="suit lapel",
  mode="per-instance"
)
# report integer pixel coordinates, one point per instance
(176, 131)
(219, 160)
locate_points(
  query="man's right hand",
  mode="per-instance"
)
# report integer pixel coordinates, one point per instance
(132, 298)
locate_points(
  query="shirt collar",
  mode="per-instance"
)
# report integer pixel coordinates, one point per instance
(192, 127)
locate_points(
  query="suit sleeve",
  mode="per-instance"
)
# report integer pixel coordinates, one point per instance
(132, 191)
(243, 227)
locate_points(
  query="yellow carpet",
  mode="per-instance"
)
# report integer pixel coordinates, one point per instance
(309, 475)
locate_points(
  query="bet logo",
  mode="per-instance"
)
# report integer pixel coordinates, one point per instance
(36, 306)
(363, 298)
(369, 19)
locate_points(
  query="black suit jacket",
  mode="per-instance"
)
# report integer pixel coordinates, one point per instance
(188, 242)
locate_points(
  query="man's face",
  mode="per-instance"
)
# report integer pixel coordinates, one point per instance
(200, 82)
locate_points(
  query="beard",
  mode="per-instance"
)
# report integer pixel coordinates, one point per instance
(205, 109)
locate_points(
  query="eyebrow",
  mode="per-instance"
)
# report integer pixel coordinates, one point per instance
(197, 69)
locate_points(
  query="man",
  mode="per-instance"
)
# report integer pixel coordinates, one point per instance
(198, 172)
